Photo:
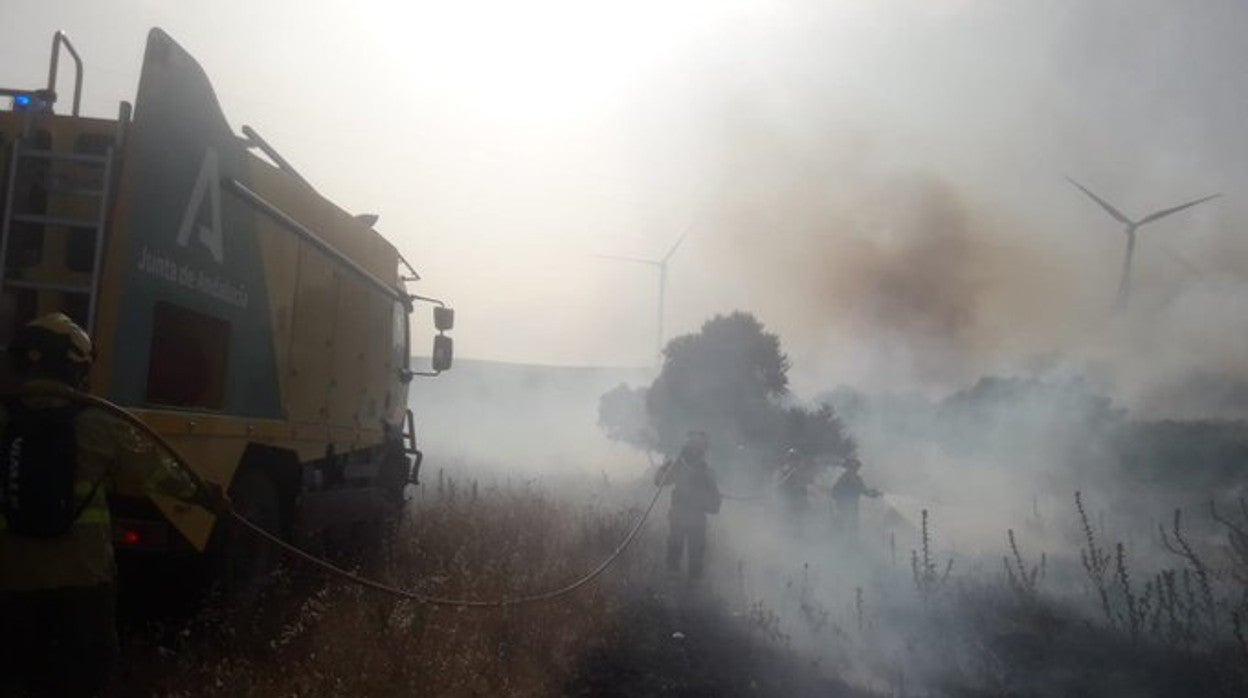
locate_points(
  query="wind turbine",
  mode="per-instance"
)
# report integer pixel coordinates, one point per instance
(1124, 285)
(661, 265)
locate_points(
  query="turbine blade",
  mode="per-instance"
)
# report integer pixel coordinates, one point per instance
(616, 258)
(1104, 204)
(1165, 212)
(673, 250)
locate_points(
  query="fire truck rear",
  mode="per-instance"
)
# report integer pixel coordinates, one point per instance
(257, 326)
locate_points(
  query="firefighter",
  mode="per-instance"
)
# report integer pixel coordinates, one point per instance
(849, 488)
(57, 569)
(694, 496)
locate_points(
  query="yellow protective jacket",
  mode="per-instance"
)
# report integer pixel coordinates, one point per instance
(108, 451)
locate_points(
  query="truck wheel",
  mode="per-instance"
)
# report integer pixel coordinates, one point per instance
(245, 562)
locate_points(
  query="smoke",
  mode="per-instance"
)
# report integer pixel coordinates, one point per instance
(521, 420)
(904, 279)
(906, 271)
(885, 188)
(885, 191)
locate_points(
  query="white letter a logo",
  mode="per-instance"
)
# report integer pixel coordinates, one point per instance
(209, 184)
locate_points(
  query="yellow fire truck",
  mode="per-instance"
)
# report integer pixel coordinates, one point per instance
(257, 326)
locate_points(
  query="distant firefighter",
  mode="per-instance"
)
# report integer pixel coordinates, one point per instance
(849, 488)
(694, 496)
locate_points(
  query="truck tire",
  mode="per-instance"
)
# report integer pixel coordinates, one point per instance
(244, 561)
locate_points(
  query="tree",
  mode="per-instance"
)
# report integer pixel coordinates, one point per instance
(723, 379)
(622, 414)
(730, 379)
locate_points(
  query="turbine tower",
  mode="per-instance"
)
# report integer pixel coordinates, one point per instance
(661, 265)
(1124, 285)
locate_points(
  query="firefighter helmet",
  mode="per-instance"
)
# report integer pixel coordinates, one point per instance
(52, 340)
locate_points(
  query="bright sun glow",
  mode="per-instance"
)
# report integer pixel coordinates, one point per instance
(547, 58)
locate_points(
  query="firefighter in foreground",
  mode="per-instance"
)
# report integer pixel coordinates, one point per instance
(57, 571)
(694, 496)
(849, 488)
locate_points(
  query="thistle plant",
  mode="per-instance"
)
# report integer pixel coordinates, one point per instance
(1022, 579)
(926, 579)
(1199, 571)
(1095, 560)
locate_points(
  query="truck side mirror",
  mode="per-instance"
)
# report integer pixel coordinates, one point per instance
(443, 353)
(443, 318)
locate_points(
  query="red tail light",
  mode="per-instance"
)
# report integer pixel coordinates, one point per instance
(146, 535)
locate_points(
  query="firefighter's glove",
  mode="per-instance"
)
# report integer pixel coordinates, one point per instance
(213, 498)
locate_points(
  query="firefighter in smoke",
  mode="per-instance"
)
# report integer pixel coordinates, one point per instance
(57, 569)
(849, 488)
(694, 496)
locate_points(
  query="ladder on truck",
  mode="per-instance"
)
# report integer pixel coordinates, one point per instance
(85, 177)
(64, 175)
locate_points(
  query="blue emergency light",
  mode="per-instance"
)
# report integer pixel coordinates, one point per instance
(21, 101)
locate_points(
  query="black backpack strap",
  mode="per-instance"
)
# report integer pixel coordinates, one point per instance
(38, 513)
(11, 406)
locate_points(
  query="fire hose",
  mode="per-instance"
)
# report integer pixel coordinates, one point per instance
(757, 496)
(326, 566)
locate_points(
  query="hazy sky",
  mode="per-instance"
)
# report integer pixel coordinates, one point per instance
(881, 182)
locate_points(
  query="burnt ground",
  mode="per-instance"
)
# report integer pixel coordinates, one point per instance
(684, 642)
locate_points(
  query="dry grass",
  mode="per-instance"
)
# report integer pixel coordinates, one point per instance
(1135, 632)
(329, 639)
(1125, 628)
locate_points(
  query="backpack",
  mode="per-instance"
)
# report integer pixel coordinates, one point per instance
(38, 470)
